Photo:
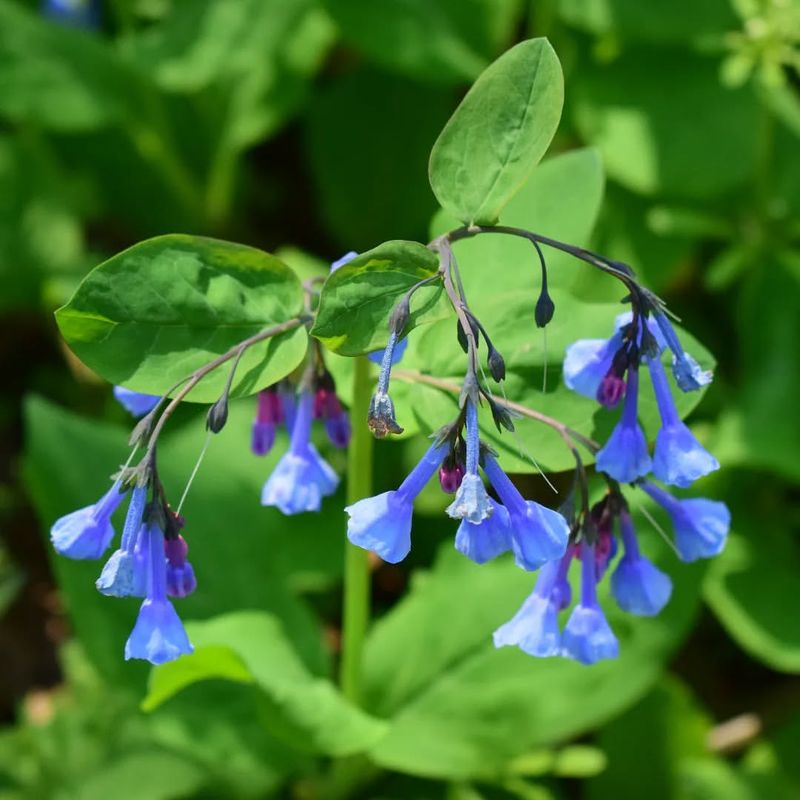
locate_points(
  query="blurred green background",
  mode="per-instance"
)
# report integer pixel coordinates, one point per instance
(303, 127)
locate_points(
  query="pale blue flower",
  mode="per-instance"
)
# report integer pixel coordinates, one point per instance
(471, 501)
(383, 523)
(302, 477)
(624, 456)
(488, 538)
(87, 532)
(124, 574)
(135, 403)
(638, 586)
(701, 526)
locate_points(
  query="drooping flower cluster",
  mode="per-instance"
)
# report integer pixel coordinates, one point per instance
(596, 368)
(150, 563)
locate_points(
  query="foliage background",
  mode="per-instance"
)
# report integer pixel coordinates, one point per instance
(303, 127)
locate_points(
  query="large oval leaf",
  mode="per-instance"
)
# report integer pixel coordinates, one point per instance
(498, 133)
(156, 312)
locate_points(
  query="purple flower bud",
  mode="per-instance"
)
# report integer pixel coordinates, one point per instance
(337, 424)
(88, 532)
(181, 580)
(611, 389)
(451, 473)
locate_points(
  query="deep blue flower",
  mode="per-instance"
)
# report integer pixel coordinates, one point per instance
(534, 628)
(701, 526)
(158, 635)
(123, 574)
(487, 539)
(638, 586)
(383, 523)
(87, 532)
(624, 456)
(376, 356)
(77, 13)
(679, 459)
(587, 636)
(538, 534)
(135, 403)
(689, 375)
(471, 501)
(587, 362)
(181, 580)
(302, 477)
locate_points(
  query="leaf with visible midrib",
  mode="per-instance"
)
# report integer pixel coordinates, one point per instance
(358, 298)
(153, 314)
(498, 133)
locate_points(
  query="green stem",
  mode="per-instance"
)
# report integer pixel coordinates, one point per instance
(355, 615)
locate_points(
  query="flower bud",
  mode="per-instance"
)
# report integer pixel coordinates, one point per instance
(611, 390)
(451, 473)
(218, 414)
(497, 365)
(545, 308)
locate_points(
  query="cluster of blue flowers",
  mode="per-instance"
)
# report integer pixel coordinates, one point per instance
(150, 563)
(543, 539)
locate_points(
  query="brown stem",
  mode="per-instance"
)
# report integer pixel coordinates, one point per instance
(569, 435)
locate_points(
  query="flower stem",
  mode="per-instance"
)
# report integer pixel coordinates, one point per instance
(356, 604)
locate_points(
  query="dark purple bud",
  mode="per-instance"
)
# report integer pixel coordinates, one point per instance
(451, 473)
(176, 551)
(497, 365)
(270, 406)
(399, 317)
(218, 414)
(611, 389)
(181, 580)
(545, 308)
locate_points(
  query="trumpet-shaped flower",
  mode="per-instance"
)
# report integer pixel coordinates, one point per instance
(124, 574)
(689, 375)
(534, 628)
(487, 539)
(158, 635)
(87, 532)
(383, 523)
(471, 501)
(638, 586)
(701, 526)
(587, 636)
(538, 534)
(679, 459)
(302, 477)
(624, 456)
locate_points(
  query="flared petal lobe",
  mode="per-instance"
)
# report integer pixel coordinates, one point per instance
(382, 524)
(487, 539)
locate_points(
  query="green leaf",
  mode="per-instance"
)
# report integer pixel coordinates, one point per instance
(747, 585)
(310, 710)
(358, 298)
(677, 21)
(665, 125)
(156, 312)
(60, 77)
(441, 41)
(256, 559)
(498, 133)
(461, 709)
(561, 199)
